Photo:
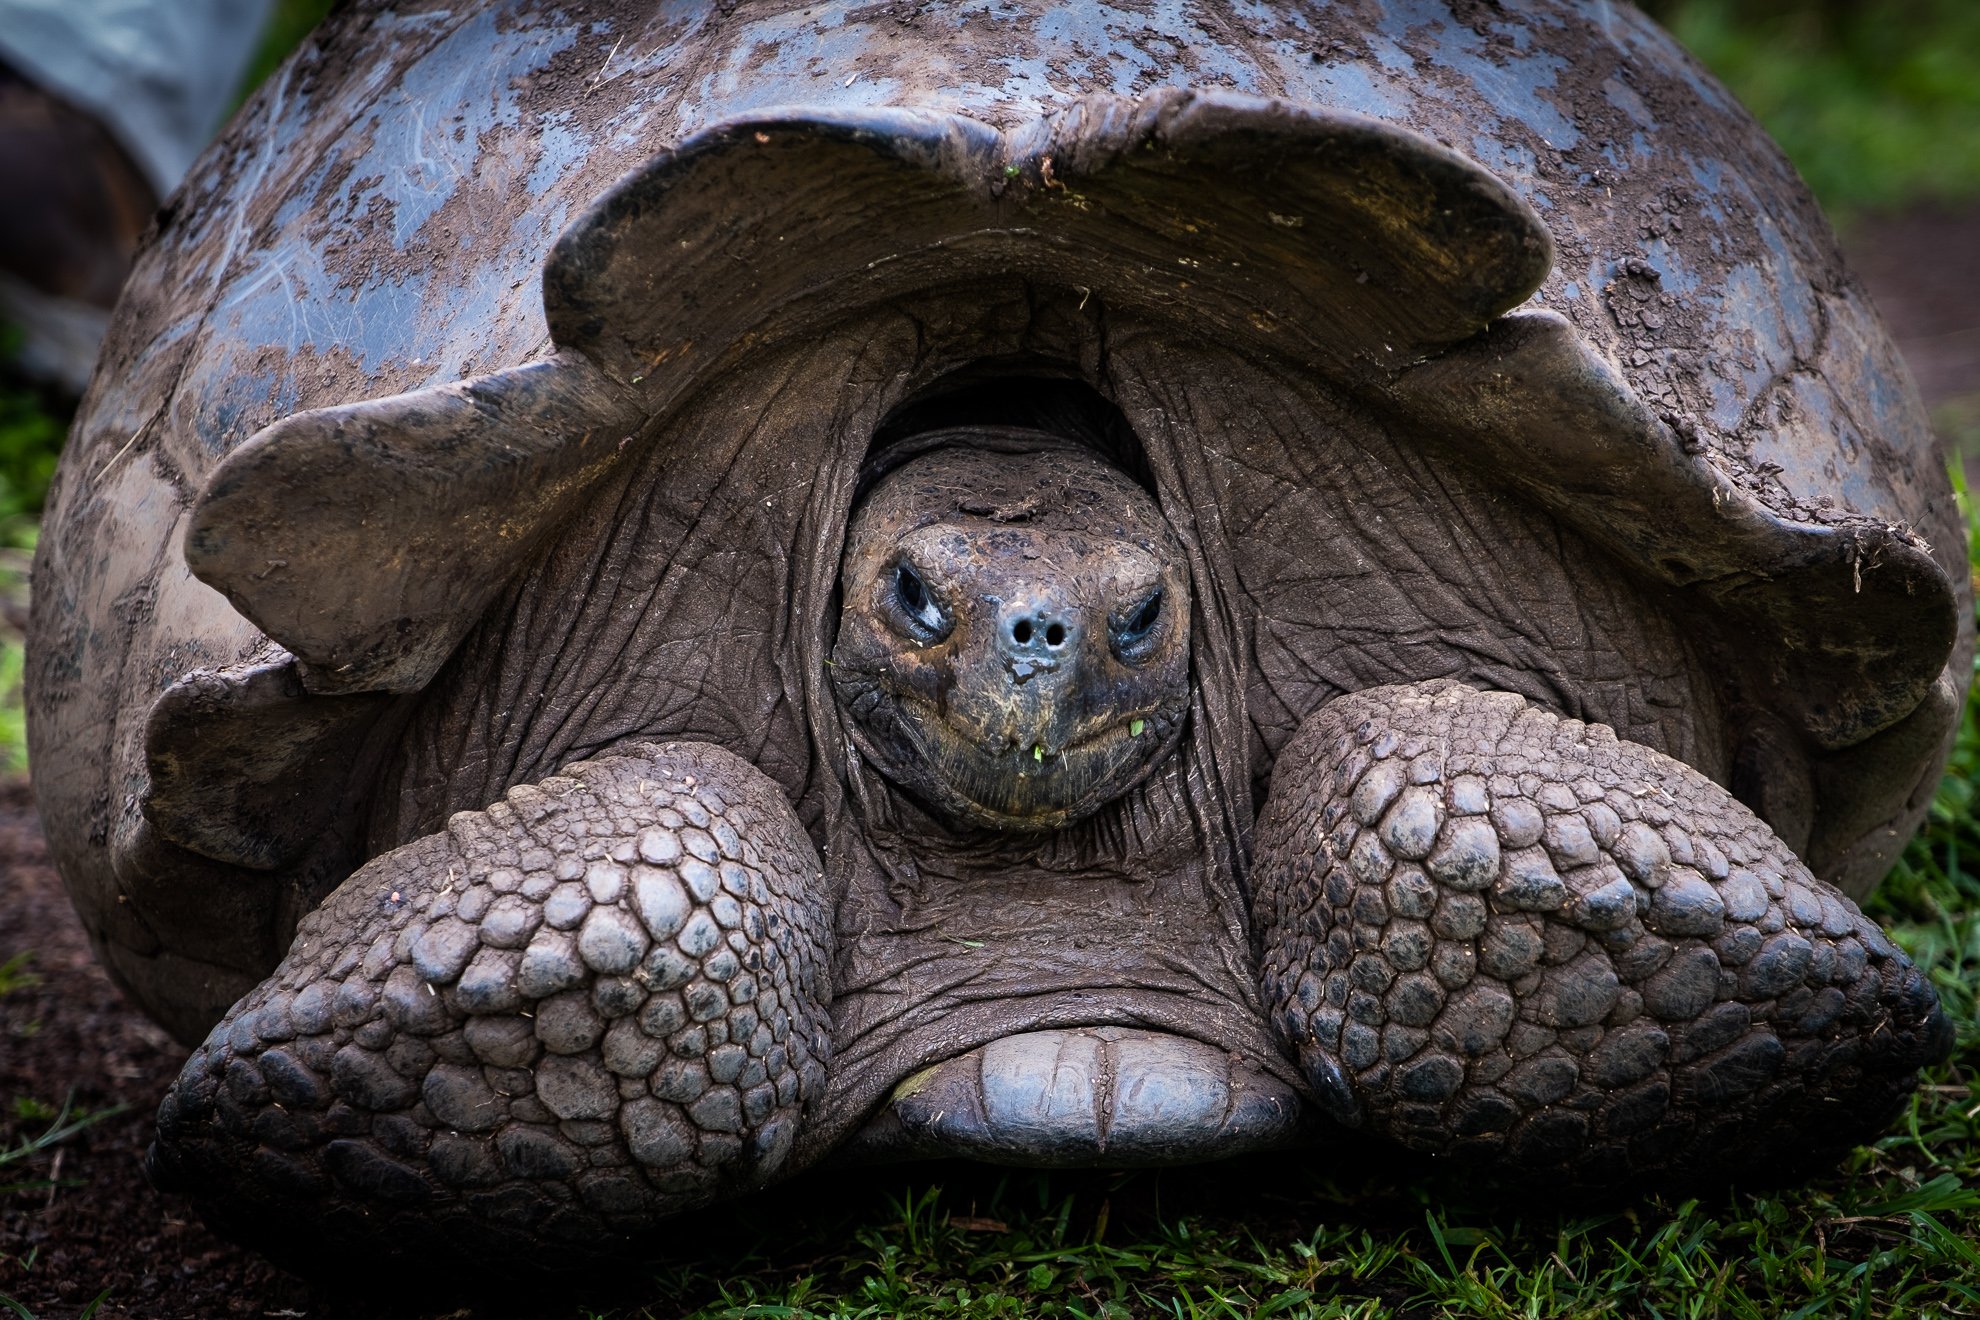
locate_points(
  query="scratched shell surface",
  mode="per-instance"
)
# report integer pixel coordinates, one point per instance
(376, 219)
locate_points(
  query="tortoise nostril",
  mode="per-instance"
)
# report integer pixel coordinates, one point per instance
(1031, 631)
(1039, 635)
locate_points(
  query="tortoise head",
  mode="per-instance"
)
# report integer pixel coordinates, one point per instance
(1013, 641)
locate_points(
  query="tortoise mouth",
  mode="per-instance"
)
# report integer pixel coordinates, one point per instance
(1029, 775)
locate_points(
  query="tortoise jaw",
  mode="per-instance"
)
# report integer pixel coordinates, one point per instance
(1036, 775)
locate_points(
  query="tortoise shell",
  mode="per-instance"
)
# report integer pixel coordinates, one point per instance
(450, 271)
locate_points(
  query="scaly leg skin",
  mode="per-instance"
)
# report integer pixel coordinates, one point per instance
(1494, 933)
(590, 1006)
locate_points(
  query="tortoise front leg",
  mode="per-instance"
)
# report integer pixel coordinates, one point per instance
(595, 1004)
(1493, 932)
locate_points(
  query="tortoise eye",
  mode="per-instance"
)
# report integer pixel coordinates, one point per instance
(1133, 637)
(928, 622)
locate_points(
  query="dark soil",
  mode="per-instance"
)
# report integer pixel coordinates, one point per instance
(72, 1036)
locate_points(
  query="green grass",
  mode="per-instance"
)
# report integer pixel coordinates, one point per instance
(17, 975)
(1959, 422)
(1857, 1247)
(288, 23)
(25, 1150)
(88, 1311)
(32, 424)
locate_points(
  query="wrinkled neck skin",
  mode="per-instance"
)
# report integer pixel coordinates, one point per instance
(1013, 660)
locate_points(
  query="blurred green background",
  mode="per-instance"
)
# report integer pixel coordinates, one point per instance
(1876, 101)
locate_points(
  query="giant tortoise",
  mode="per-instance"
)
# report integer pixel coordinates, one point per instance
(649, 596)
